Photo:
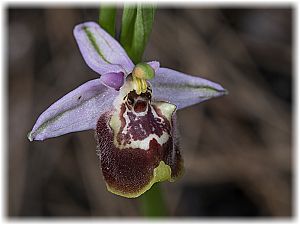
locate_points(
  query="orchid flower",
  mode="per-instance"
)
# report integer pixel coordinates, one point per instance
(132, 110)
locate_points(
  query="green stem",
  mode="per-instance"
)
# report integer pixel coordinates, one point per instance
(153, 204)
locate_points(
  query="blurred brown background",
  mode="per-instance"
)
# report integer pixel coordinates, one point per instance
(237, 149)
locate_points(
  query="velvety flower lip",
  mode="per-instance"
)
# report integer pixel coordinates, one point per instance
(134, 117)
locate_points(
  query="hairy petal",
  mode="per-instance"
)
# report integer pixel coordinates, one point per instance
(173, 157)
(183, 90)
(100, 51)
(76, 111)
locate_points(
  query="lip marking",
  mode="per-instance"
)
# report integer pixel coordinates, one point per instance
(136, 120)
(140, 106)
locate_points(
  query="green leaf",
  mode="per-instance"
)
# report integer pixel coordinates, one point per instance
(137, 24)
(107, 18)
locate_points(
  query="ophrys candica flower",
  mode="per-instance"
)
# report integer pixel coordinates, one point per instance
(131, 108)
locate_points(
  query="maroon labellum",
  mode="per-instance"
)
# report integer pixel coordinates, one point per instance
(136, 143)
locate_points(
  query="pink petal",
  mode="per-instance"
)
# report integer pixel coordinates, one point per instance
(154, 64)
(100, 51)
(113, 80)
(76, 111)
(183, 90)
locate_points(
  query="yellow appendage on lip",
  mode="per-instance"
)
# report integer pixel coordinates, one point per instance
(161, 173)
(140, 85)
(140, 74)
